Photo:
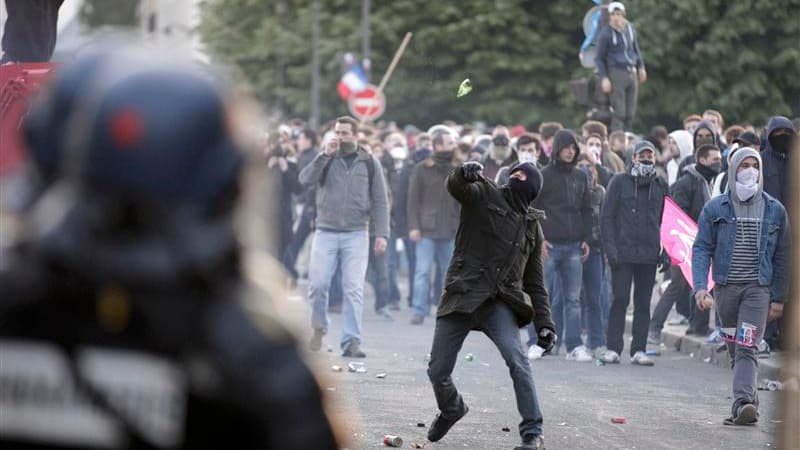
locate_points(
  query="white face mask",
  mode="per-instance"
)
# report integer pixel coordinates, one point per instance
(399, 152)
(746, 183)
(526, 157)
(595, 150)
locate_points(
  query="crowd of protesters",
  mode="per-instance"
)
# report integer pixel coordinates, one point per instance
(371, 199)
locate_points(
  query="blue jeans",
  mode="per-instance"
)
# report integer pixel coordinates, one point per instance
(429, 251)
(591, 307)
(351, 250)
(564, 265)
(496, 320)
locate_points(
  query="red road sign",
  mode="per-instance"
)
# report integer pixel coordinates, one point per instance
(367, 104)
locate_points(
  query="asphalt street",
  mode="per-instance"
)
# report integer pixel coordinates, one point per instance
(678, 404)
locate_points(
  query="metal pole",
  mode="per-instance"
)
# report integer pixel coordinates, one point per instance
(314, 119)
(365, 34)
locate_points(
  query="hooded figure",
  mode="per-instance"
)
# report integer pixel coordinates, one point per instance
(525, 191)
(685, 144)
(565, 196)
(781, 141)
(699, 142)
(744, 234)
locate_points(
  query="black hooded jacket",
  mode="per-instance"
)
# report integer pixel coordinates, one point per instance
(565, 197)
(630, 221)
(689, 160)
(497, 254)
(775, 183)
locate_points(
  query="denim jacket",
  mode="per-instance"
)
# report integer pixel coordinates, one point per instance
(716, 237)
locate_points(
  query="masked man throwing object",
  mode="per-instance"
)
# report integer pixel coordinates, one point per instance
(494, 284)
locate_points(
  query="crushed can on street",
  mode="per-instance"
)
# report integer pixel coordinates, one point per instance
(392, 441)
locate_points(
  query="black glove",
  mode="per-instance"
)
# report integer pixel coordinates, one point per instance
(547, 339)
(471, 170)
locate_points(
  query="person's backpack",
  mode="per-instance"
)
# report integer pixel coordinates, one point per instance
(370, 172)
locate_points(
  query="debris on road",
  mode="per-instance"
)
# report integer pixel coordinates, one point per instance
(770, 385)
(653, 352)
(381, 375)
(506, 429)
(416, 445)
(470, 357)
(392, 441)
(336, 368)
(420, 424)
(599, 363)
(356, 367)
(618, 420)
(707, 360)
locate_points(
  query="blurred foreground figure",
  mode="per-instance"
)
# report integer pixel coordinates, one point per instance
(122, 321)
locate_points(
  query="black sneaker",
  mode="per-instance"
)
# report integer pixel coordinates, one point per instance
(316, 341)
(746, 414)
(354, 351)
(441, 425)
(531, 442)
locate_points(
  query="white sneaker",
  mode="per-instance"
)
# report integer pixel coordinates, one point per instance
(608, 356)
(535, 352)
(579, 354)
(641, 359)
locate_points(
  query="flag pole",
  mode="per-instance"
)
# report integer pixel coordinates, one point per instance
(386, 76)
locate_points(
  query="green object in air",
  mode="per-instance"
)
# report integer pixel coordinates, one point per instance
(464, 88)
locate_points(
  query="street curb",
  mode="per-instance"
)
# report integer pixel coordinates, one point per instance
(674, 338)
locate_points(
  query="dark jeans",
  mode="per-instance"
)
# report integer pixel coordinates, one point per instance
(393, 263)
(378, 276)
(743, 310)
(699, 320)
(624, 89)
(304, 229)
(643, 277)
(678, 293)
(496, 320)
(591, 311)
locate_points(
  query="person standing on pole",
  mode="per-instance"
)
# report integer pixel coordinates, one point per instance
(495, 285)
(620, 66)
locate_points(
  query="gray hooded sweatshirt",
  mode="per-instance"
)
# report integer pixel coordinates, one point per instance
(749, 215)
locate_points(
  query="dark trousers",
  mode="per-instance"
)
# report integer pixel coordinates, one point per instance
(643, 277)
(496, 320)
(624, 90)
(378, 276)
(289, 258)
(678, 293)
(699, 320)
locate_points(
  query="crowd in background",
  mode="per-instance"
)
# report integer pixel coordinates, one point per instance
(588, 232)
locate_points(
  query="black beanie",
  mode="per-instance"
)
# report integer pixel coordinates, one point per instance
(529, 189)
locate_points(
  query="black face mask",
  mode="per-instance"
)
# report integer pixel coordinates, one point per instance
(716, 167)
(500, 141)
(781, 143)
(700, 141)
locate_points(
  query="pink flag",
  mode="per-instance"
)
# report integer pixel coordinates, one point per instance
(678, 231)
